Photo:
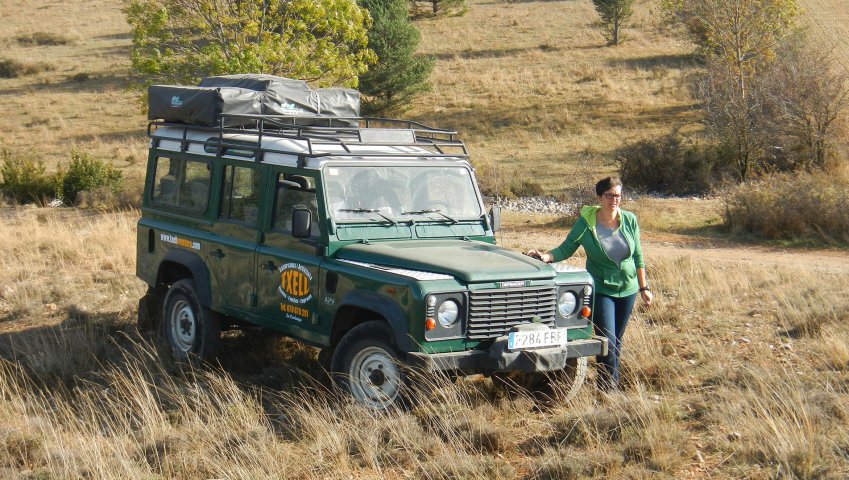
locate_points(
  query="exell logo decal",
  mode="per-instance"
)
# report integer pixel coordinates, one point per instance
(176, 101)
(295, 280)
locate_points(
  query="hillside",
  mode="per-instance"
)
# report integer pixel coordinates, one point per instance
(739, 370)
(528, 84)
(828, 22)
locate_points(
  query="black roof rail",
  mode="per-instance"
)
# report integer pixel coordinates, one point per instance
(316, 131)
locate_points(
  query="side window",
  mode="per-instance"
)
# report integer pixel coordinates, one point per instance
(294, 192)
(182, 183)
(240, 194)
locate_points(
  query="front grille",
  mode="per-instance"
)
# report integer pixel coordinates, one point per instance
(493, 312)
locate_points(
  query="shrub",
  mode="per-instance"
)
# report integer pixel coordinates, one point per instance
(80, 77)
(13, 68)
(791, 207)
(42, 39)
(527, 188)
(672, 165)
(25, 179)
(87, 174)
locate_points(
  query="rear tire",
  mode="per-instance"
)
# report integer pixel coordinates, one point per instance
(367, 365)
(191, 330)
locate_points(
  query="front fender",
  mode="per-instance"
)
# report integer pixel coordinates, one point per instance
(386, 308)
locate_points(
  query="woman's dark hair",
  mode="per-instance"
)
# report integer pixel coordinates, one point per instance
(606, 184)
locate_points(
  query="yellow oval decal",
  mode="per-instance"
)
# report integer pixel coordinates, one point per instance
(295, 281)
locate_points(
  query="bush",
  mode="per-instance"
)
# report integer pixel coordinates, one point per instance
(791, 207)
(672, 165)
(88, 174)
(13, 68)
(42, 39)
(527, 188)
(26, 180)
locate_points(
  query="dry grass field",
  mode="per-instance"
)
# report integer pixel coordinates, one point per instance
(740, 369)
(736, 372)
(828, 22)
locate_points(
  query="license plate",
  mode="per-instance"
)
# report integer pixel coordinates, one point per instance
(537, 338)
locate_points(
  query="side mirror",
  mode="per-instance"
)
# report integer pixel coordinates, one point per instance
(301, 223)
(495, 218)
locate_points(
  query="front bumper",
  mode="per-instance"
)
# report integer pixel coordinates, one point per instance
(499, 359)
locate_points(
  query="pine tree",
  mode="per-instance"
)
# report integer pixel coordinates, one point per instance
(614, 14)
(399, 75)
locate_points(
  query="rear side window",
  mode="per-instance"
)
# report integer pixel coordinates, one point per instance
(182, 183)
(240, 194)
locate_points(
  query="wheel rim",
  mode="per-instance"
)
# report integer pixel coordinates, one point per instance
(375, 378)
(183, 326)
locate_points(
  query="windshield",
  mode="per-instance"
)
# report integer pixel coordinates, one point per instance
(383, 194)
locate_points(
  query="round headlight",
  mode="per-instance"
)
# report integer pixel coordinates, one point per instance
(567, 304)
(448, 313)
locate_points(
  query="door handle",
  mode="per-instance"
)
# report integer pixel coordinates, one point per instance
(269, 266)
(218, 253)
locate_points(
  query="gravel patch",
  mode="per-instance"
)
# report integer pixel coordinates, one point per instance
(535, 205)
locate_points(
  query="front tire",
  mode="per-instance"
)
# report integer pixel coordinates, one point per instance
(367, 365)
(191, 330)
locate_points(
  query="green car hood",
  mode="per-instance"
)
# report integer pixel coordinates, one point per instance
(468, 261)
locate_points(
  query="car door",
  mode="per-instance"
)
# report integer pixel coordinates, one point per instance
(232, 251)
(288, 267)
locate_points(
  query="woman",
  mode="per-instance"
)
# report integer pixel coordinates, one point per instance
(611, 239)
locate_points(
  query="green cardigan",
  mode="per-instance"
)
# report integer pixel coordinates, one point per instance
(610, 279)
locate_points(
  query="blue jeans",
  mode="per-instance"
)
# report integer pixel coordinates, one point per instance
(610, 317)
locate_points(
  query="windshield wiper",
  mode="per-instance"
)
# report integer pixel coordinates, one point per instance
(432, 210)
(368, 210)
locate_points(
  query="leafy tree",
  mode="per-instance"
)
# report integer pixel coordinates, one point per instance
(399, 75)
(741, 33)
(614, 14)
(739, 39)
(181, 41)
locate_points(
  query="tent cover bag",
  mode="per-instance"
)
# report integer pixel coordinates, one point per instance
(200, 105)
(286, 96)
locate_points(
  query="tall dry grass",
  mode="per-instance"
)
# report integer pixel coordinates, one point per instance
(737, 371)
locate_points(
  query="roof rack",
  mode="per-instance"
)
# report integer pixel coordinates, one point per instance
(316, 131)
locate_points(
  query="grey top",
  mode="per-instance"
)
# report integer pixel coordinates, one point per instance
(613, 242)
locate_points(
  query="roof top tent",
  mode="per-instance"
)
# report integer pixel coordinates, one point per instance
(275, 119)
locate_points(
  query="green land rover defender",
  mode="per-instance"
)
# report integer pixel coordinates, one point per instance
(366, 238)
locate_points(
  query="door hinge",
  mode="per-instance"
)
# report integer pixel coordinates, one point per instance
(253, 299)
